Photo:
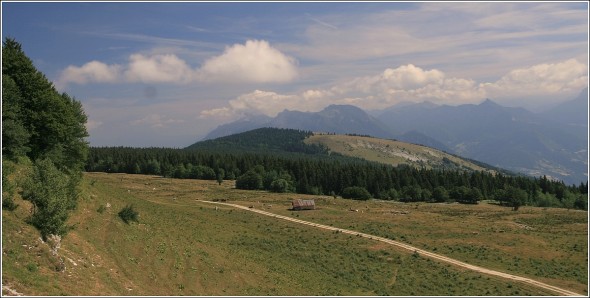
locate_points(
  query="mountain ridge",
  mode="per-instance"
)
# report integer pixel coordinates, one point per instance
(513, 138)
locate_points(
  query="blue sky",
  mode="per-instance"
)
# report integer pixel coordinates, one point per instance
(164, 74)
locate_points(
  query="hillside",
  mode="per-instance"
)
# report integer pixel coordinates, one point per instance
(393, 152)
(181, 246)
(289, 141)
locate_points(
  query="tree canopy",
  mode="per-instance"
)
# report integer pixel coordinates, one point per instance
(48, 128)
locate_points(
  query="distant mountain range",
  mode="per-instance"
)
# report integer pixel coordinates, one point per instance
(553, 143)
(334, 118)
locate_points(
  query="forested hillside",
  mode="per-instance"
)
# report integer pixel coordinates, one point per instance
(276, 140)
(255, 159)
(43, 136)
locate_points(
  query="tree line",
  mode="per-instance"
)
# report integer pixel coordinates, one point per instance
(327, 175)
(43, 135)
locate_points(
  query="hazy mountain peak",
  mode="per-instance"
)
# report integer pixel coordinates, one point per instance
(489, 103)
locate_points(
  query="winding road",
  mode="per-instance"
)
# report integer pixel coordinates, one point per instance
(421, 252)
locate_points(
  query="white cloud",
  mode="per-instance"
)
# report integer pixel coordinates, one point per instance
(412, 83)
(93, 71)
(567, 77)
(255, 61)
(158, 69)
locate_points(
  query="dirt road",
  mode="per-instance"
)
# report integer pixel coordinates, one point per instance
(421, 252)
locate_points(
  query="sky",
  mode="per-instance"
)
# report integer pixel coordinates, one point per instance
(165, 74)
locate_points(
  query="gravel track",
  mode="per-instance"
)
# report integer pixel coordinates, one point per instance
(421, 252)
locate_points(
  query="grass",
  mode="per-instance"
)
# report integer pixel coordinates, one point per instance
(391, 152)
(181, 246)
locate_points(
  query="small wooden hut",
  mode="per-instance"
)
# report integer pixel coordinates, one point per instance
(300, 204)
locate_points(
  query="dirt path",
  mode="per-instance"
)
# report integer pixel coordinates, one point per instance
(431, 255)
(7, 291)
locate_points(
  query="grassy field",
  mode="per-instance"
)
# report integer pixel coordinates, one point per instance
(182, 246)
(391, 152)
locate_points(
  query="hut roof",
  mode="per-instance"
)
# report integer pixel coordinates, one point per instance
(303, 203)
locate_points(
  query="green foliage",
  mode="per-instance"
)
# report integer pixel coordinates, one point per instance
(513, 197)
(464, 195)
(129, 214)
(52, 194)
(280, 185)
(202, 172)
(15, 137)
(262, 139)
(356, 193)
(8, 187)
(411, 193)
(250, 180)
(101, 209)
(440, 194)
(42, 123)
(323, 174)
(48, 128)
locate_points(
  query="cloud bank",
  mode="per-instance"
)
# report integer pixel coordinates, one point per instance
(256, 61)
(412, 83)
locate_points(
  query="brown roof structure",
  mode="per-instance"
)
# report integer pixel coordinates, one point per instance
(300, 204)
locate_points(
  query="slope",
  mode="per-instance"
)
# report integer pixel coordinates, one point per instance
(183, 247)
(394, 152)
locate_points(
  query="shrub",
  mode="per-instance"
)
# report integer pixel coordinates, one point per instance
(356, 193)
(52, 194)
(128, 214)
(250, 180)
(101, 209)
(9, 204)
(280, 185)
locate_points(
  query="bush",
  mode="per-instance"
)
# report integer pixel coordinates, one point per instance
(280, 185)
(101, 209)
(52, 194)
(356, 193)
(250, 180)
(129, 214)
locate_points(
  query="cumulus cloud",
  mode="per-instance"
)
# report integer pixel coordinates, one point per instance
(255, 61)
(158, 69)
(93, 71)
(543, 79)
(412, 83)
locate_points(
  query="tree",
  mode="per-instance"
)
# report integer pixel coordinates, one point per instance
(356, 193)
(440, 194)
(55, 122)
(515, 197)
(52, 195)
(15, 137)
(465, 195)
(49, 129)
(280, 185)
(250, 180)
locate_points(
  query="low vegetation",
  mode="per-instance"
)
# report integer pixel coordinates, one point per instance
(203, 250)
(129, 214)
